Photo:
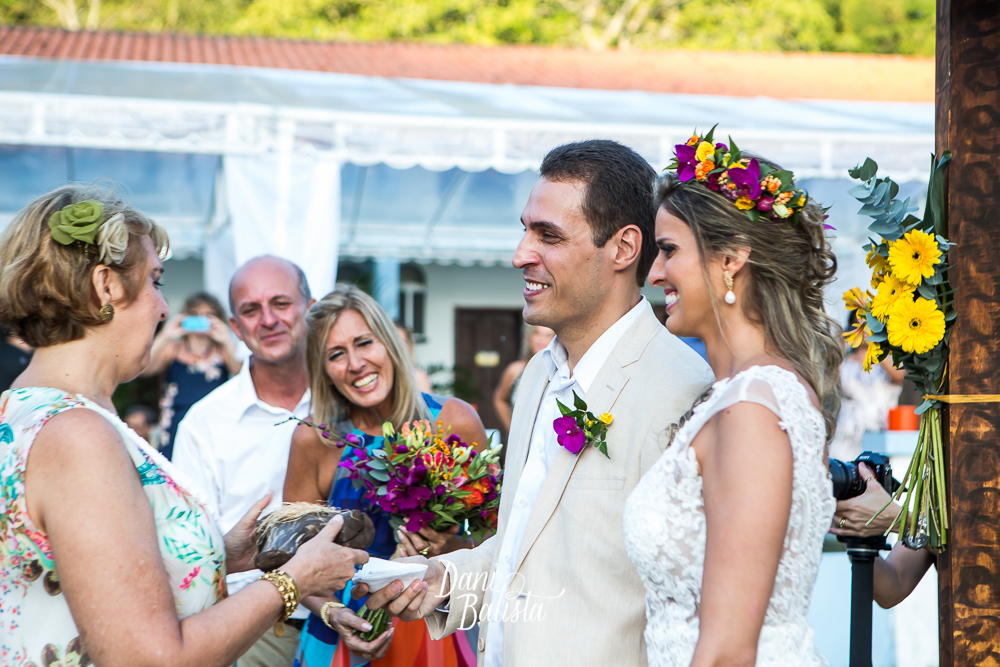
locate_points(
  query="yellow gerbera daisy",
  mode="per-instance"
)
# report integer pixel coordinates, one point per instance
(914, 256)
(872, 356)
(915, 326)
(890, 291)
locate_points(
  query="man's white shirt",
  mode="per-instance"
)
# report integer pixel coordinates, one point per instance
(541, 450)
(229, 445)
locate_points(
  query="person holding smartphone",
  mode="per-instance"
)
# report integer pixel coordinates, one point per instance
(195, 353)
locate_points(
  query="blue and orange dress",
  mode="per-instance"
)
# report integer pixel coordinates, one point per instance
(319, 646)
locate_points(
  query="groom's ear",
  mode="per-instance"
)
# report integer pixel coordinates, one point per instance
(736, 260)
(627, 246)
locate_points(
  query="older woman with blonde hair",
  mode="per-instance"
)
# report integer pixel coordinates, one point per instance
(748, 466)
(360, 376)
(107, 555)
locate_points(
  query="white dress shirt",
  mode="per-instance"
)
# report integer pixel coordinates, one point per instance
(541, 448)
(229, 446)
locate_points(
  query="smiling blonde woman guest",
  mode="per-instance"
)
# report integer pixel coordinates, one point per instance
(107, 556)
(360, 376)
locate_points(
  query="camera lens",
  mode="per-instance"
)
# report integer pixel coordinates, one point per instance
(846, 478)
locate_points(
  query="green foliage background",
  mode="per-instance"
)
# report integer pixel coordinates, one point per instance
(870, 26)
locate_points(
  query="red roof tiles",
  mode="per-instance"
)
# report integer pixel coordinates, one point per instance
(745, 74)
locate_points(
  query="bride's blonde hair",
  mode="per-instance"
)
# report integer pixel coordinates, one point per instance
(788, 267)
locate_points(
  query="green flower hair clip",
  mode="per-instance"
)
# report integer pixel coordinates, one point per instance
(77, 222)
(83, 224)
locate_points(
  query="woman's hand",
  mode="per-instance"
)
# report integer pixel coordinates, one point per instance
(345, 622)
(428, 542)
(241, 548)
(218, 332)
(322, 568)
(852, 514)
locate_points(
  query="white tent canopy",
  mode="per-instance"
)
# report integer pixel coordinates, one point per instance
(413, 169)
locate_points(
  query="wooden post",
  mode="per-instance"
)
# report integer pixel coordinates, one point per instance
(968, 124)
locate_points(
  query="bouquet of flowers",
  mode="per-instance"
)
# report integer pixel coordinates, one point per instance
(909, 316)
(426, 478)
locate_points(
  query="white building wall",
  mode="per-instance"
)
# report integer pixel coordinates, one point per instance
(451, 287)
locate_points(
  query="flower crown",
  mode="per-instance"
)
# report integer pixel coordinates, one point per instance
(83, 225)
(756, 188)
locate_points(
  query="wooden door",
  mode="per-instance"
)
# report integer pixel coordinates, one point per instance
(486, 341)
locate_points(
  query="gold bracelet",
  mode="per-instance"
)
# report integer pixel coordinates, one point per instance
(287, 588)
(324, 612)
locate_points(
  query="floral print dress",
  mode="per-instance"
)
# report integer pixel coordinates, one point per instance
(36, 627)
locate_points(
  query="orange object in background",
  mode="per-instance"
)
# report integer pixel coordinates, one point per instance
(904, 418)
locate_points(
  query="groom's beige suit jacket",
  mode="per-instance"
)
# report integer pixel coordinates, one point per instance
(579, 600)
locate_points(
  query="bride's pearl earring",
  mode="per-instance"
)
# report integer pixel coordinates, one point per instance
(730, 297)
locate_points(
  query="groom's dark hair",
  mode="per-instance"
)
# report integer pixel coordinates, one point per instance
(619, 191)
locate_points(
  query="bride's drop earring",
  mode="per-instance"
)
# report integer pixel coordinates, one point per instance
(730, 297)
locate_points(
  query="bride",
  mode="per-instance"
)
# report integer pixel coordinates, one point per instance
(726, 529)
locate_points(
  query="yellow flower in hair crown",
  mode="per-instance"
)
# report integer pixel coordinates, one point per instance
(758, 189)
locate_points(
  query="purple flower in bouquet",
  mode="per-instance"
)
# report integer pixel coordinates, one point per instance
(414, 497)
(713, 182)
(747, 180)
(569, 434)
(418, 520)
(765, 203)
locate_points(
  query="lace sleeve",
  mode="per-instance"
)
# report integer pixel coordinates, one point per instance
(745, 389)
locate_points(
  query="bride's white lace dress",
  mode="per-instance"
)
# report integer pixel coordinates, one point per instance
(665, 527)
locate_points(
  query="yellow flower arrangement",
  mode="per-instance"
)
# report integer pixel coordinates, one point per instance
(890, 292)
(606, 418)
(911, 312)
(914, 256)
(744, 203)
(915, 326)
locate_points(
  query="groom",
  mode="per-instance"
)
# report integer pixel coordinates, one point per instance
(554, 586)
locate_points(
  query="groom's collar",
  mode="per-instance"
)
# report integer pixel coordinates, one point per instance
(556, 358)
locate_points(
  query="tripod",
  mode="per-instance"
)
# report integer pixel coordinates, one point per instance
(862, 552)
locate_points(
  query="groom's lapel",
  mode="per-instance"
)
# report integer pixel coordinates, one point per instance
(529, 397)
(522, 431)
(600, 399)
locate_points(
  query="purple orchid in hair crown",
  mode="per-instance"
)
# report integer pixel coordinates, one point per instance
(756, 188)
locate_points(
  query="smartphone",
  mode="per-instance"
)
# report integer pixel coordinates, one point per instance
(196, 324)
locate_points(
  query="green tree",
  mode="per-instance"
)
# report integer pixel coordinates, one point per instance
(754, 25)
(879, 26)
(887, 26)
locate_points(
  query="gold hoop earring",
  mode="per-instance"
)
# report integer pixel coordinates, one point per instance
(107, 313)
(730, 296)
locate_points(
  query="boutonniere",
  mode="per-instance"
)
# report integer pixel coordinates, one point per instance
(577, 428)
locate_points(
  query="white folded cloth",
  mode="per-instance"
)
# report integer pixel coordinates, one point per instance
(378, 573)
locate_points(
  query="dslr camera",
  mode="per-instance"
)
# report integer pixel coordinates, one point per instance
(848, 482)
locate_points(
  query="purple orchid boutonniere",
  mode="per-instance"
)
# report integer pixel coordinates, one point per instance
(578, 428)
